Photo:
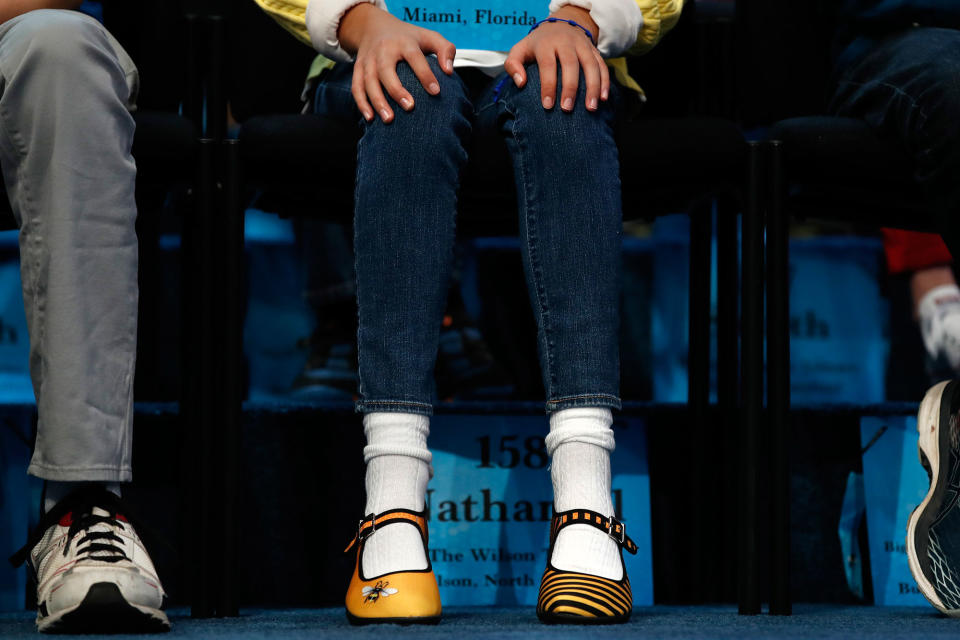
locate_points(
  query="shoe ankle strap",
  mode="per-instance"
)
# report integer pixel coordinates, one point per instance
(608, 524)
(372, 522)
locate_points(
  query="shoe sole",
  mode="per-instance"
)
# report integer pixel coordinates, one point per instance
(105, 610)
(560, 618)
(360, 622)
(932, 439)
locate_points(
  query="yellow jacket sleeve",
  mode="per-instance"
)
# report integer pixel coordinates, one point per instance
(291, 14)
(659, 16)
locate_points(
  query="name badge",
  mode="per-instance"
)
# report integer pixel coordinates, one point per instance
(491, 25)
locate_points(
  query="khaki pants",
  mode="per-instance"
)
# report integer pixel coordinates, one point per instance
(66, 87)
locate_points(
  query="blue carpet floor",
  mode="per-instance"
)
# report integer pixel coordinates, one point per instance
(809, 621)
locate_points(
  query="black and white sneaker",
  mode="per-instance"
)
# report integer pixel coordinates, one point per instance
(92, 572)
(933, 531)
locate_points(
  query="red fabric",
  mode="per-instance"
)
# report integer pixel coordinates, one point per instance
(913, 251)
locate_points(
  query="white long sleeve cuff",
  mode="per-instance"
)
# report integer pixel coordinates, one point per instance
(619, 22)
(323, 21)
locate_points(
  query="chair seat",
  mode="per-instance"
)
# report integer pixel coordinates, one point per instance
(666, 159)
(834, 149)
(839, 168)
(666, 163)
(163, 145)
(303, 162)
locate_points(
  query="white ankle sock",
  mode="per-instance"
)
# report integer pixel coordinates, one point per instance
(939, 315)
(55, 491)
(398, 468)
(580, 442)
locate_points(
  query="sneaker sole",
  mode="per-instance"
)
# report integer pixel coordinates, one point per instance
(105, 610)
(932, 439)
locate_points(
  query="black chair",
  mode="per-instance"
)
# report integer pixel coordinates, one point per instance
(820, 167)
(674, 164)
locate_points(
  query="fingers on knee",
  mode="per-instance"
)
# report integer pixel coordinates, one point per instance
(412, 83)
(533, 89)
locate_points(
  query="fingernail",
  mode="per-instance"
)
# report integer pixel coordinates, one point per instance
(568, 104)
(368, 115)
(603, 95)
(384, 114)
(434, 88)
(406, 102)
(547, 102)
(592, 104)
(517, 79)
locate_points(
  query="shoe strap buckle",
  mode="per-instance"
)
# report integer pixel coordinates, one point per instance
(362, 533)
(613, 524)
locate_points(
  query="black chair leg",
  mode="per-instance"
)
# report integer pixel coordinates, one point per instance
(198, 394)
(231, 377)
(778, 386)
(752, 373)
(698, 354)
(216, 88)
(728, 389)
(728, 293)
(698, 389)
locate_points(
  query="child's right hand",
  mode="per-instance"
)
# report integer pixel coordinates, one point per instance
(379, 41)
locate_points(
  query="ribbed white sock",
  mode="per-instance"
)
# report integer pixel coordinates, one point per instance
(398, 468)
(55, 491)
(580, 442)
(939, 315)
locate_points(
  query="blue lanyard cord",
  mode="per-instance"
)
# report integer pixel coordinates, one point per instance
(570, 22)
(497, 89)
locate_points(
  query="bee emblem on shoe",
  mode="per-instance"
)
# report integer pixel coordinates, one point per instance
(377, 591)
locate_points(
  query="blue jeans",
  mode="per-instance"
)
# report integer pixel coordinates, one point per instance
(906, 85)
(567, 182)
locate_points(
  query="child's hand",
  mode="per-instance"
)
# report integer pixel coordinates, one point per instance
(561, 41)
(379, 41)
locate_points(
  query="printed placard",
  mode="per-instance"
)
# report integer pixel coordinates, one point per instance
(895, 484)
(493, 25)
(490, 504)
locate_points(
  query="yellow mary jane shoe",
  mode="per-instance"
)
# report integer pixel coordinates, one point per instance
(405, 597)
(568, 597)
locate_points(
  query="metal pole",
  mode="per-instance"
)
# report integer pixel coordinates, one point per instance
(231, 374)
(728, 378)
(199, 370)
(778, 385)
(728, 294)
(698, 389)
(752, 363)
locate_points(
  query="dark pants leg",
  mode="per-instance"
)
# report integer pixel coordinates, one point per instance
(907, 87)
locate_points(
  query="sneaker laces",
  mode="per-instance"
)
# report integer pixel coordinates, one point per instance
(95, 506)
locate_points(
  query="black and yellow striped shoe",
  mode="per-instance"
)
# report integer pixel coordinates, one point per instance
(567, 597)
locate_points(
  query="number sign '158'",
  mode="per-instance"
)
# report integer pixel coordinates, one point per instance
(493, 25)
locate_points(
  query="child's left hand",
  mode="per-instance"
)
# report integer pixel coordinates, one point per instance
(561, 41)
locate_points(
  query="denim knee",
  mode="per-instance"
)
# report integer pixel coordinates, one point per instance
(435, 113)
(562, 132)
(432, 133)
(939, 101)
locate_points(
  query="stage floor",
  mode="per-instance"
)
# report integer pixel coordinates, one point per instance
(808, 621)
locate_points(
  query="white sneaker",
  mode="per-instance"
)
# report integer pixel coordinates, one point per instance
(93, 573)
